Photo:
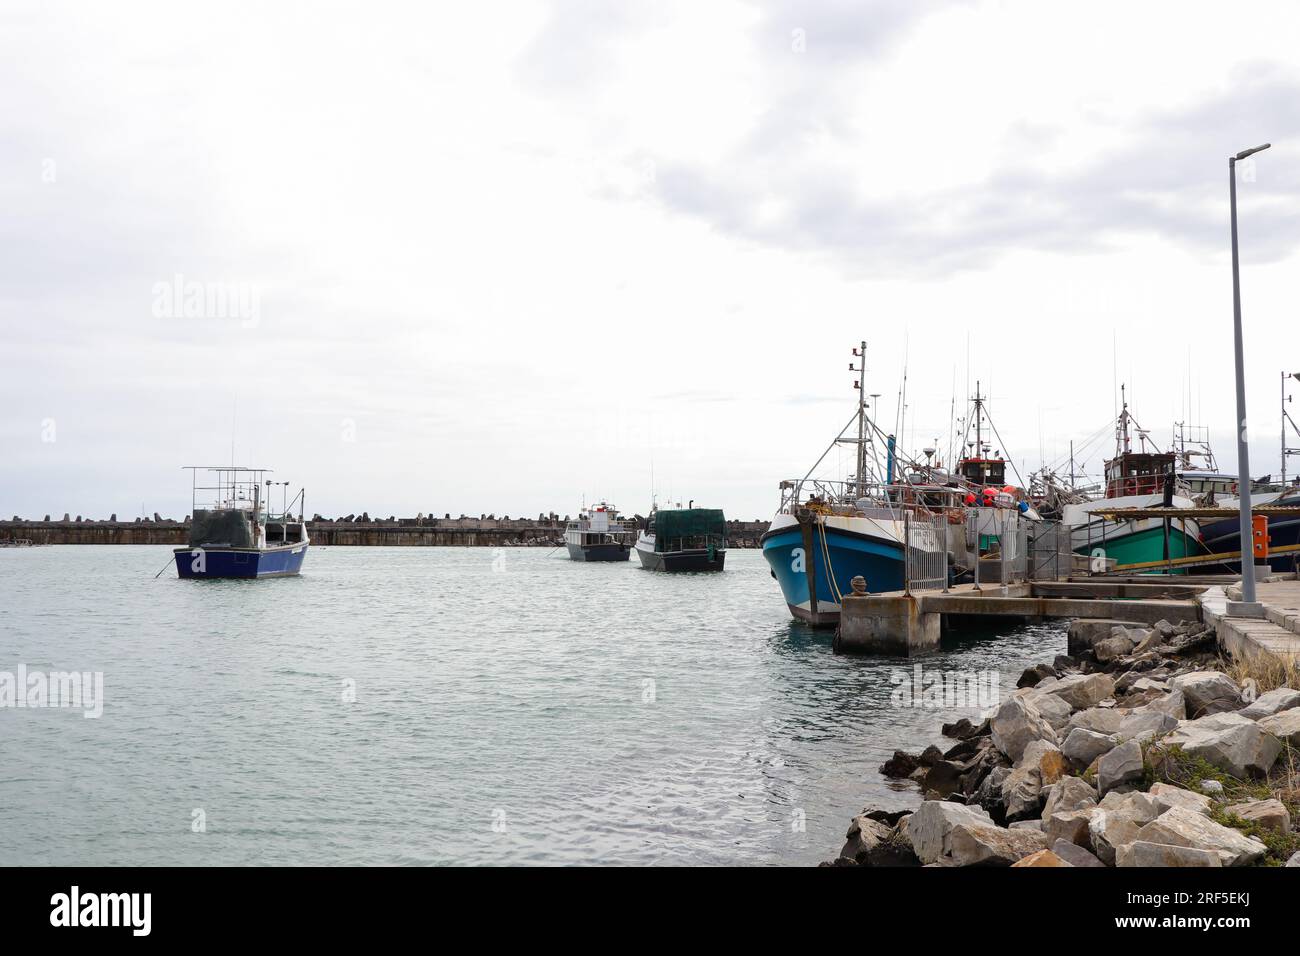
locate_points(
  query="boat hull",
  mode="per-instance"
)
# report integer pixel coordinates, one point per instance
(797, 555)
(1224, 536)
(219, 563)
(1135, 541)
(697, 559)
(599, 552)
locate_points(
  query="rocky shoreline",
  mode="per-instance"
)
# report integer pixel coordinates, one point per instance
(1138, 748)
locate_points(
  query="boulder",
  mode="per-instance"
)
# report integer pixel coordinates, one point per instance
(863, 835)
(989, 793)
(1294, 859)
(1144, 853)
(1077, 855)
(1120, 767)
(1082, 634)
(992, 846)
(1100, 720)
(1064, 662)
(944, 778)
(1273, 702)
(1153, 639)
(1146, 725)
(1233, 743)
(902, 764)
(1069, 793)
(1112, 648)
(1083, 690)
(1117, 820)
(930, 756)
(1053, 709)
(1084, 746)
(1069, 825)
(1172, 702)
(1033, 675)
(930, 827)
(1167, 796)
(1284, 726)
(1203, 688)
(1018, 723)
(1042, 858)
(1269, 814)
(1183, 827)
(897, 849)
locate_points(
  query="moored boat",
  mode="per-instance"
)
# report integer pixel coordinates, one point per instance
(828, 532)
(1145, 478)
(233, 534)
(683, 539)
(599, 535)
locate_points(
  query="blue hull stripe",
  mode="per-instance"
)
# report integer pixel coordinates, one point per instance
(880, 562)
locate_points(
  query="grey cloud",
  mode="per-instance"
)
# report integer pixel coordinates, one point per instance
(1170, 179)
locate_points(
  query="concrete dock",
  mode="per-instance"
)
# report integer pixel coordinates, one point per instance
(905, 624)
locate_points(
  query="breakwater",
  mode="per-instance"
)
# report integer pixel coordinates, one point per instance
(351, 530)
(1140, 747)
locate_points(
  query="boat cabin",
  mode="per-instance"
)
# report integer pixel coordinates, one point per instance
(1137, 473)
(983, 471)
(688, 529)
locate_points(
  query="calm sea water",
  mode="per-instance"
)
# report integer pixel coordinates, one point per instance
(511, 706)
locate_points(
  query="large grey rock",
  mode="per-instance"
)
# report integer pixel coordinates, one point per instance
(1294, 859)
(1172, 702)
(1167, 796)
(1233, 743)
(1183, 827)
(1203, 688)
(1084, 746)
(1053, 709)
(1273, 702)
(1082, 690)
(1284, 726)
(1110, 648)
(1083, 633)
(1077, 855)
(1069, 793)
(1100, 720)
(1020, 794)
(1270, 814)
(1016, 724)
(930, 827)
(1120, 767)
(993, 846)
(864, 835)
(1146, 725)
(1143, 853)
(1070, 825)
(1117, 821)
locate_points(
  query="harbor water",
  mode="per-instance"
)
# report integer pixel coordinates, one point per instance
(447, 706)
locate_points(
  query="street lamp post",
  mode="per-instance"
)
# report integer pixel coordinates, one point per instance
(1248, 606)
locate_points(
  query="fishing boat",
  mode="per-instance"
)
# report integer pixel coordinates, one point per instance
(1142, 478)
(828, 532)
(683, 539)
(599, 534)
(234, 533)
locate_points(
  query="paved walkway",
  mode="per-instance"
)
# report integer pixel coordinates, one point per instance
(1277, 634)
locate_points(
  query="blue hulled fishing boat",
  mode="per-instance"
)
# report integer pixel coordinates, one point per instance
(826, 533)
(233, 534)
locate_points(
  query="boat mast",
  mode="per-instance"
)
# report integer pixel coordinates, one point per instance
(861, 355)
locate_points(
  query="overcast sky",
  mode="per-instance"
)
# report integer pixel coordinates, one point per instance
(496, 257)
